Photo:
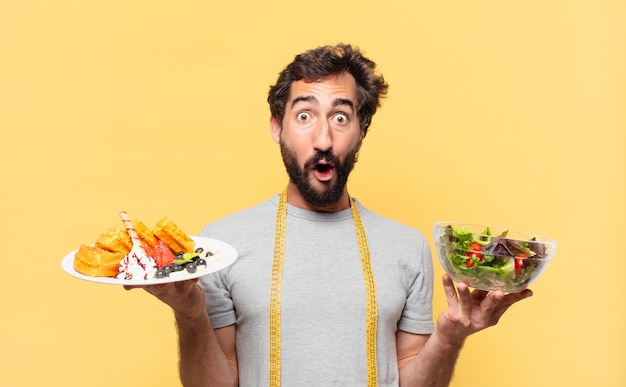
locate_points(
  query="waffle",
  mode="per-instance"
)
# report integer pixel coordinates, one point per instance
(116, 239)
(97, 262)
(175, 238)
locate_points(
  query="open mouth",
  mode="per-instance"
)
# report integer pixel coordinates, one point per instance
(323, 171)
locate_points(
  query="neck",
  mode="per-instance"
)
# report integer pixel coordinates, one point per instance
(295, 199)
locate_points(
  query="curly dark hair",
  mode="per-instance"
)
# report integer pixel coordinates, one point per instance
(321, 62)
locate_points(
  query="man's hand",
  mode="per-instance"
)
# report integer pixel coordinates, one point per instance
(184, 297)
(470, 312)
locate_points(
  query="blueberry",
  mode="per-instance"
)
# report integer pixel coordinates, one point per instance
(200, 262)
(191, 267)
(199, 250)
(159, 274)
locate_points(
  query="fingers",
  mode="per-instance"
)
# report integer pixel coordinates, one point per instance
(449, 289)
(489, 304)
(512, 298)
(466, 301)
(508, 301)
(478, 308)
(174, 288)
(459, 295)
(162, 285)
(145, 287)
(479, 295)
(169, 292)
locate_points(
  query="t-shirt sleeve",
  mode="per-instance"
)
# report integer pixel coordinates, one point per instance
(218, 301)
(417, 316)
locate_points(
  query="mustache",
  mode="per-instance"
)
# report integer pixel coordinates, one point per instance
(327, 156)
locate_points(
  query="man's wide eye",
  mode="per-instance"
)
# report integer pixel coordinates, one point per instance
(340, 118)
(303, 116)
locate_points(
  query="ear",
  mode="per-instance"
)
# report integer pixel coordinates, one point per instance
(275, 128)
(361, 140)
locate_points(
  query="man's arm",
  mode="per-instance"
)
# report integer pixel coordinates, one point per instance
(424, 362)
(429, 360)
(207, 356)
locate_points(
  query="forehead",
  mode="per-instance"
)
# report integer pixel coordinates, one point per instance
(326, 89)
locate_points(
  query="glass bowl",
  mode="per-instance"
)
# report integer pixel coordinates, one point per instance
(491, 258)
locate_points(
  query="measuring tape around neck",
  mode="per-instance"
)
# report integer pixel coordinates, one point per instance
(371, 318)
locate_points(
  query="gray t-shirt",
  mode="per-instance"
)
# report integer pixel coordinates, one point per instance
(323, 293)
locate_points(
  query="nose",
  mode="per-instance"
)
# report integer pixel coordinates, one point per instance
(323, 139)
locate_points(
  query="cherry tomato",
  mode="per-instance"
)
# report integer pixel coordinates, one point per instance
(519, 263)
(475, 246)
(475, 251)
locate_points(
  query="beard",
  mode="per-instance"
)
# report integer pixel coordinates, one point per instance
(333, 189)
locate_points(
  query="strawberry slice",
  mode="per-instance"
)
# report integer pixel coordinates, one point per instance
(162, 254)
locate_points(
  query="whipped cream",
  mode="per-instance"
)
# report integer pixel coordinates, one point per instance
(136, 266)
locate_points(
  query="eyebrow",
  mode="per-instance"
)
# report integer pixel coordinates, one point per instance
(310, 98)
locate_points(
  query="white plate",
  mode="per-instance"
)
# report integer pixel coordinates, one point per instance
(226, 253)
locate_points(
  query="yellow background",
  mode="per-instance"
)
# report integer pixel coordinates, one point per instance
(508, 113)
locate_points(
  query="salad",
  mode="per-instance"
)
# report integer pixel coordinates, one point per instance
(488, 262)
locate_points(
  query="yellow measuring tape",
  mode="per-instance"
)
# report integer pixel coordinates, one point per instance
(275, 291)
